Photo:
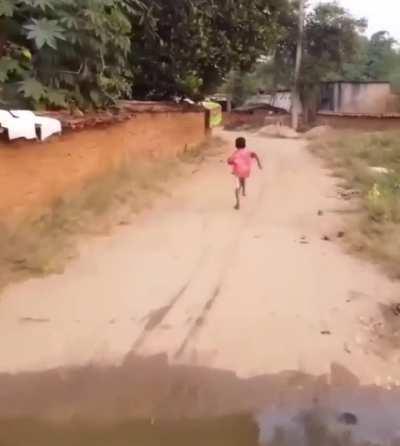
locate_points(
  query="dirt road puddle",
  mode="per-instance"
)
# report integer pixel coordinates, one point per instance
(147, 401)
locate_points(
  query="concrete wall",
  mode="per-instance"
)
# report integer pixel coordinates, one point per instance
(353, 97)
(34, 174)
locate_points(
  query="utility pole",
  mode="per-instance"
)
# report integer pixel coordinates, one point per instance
(296, 103)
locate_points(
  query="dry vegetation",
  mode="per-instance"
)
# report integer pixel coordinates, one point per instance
(43, 243)
(369, 164)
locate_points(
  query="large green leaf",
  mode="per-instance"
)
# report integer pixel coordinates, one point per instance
(98, 33)
(56, 97)
(32, 89)
(70, 21)
(9, 66)
(45, 32)
(7, 8)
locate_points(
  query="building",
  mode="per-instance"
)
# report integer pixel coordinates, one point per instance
(277, 101)
(357, 97)
(339, 97)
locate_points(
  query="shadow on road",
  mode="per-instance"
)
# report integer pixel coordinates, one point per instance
(147, 401)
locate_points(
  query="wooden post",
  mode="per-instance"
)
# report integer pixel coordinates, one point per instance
(296, 103)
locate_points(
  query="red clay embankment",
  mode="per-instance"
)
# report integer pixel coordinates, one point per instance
(33, 174)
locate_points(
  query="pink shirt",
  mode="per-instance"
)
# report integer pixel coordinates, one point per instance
(241, 161)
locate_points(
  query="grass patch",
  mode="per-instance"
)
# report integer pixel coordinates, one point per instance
(369, 163)
(43, 244)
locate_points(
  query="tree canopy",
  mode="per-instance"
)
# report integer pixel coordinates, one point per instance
(89, 53)
(378, 58)
(191, 46)
(331, 37)
(55, 53)
(330, 41)
(335, 48)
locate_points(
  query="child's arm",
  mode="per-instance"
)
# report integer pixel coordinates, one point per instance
(231, 160)
(255, 156)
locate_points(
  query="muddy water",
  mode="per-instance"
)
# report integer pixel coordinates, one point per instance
(146, 401)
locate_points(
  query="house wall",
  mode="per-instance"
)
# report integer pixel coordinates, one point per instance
(362, 98)
(33, 174)
(282, 100)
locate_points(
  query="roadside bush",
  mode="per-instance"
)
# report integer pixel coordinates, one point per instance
(59, 52)
(383, 200)
(370, 164)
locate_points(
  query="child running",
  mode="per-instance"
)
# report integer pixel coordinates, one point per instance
(241, 162)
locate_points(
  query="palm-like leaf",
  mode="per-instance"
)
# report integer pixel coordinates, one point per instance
(9, 66)
(45, 32)
(32, 89)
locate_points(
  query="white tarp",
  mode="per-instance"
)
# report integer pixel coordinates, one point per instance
(16, 127)
(48, 126)
(23, 124)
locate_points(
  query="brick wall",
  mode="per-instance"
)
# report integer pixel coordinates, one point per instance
(368, 123)
(33, 174)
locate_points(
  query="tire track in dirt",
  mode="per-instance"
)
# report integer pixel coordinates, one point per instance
(156, 317)
(198, 323)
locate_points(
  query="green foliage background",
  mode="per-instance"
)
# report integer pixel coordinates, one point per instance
(88, 53)
(334, 48)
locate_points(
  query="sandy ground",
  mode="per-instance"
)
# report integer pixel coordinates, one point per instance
(256, 291)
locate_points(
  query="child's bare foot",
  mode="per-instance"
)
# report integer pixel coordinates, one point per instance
(237, 207)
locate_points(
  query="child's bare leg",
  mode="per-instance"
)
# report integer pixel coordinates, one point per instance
(237, 194)
(243, 186)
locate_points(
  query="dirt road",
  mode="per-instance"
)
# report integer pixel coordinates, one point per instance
(255, 291)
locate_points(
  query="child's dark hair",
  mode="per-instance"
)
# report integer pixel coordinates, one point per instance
(241, 143)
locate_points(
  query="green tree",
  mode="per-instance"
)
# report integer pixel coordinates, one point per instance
(383, 61)
(58, 51)
(331, 40)
(377, 59)
(381, 56)
(242, 85)
(188, 47)
(89, 53)
(356, 69)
